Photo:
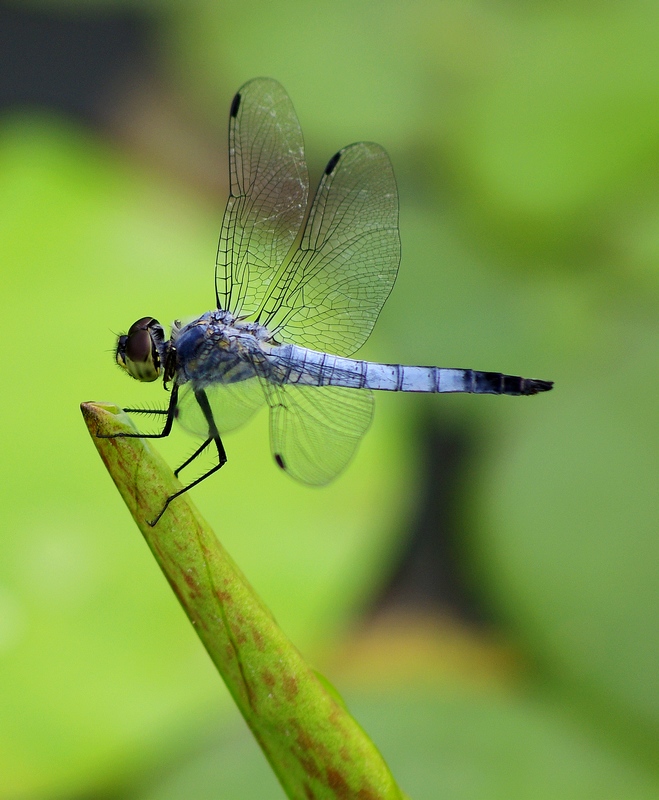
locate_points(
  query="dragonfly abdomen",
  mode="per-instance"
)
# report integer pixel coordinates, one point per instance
(321, 369)
(399, 378)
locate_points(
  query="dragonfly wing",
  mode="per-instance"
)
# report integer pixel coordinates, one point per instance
(269, 186)
(330, 293)
(232, 405)
(315, 430)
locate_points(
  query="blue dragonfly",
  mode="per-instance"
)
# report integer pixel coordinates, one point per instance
(296, 295)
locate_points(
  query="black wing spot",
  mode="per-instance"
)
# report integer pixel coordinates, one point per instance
(332, 163)
(280, 461)
(235, 104)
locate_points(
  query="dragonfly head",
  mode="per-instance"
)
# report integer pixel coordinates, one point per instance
(142, 352)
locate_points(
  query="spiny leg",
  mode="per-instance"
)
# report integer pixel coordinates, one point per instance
(196, 453)
(171, 415)
(214, 436)
(146, 411)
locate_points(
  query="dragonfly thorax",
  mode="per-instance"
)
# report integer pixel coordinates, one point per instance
(218, 347)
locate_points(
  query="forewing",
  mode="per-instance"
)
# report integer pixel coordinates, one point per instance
(269, 186)
(315, 430)
(330, 294)
(232, 405)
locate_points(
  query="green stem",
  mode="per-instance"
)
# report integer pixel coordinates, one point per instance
(316, 749)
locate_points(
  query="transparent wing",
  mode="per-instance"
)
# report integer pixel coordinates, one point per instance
(269, 186)
(330, 293)
(232, 404)
(315, 430)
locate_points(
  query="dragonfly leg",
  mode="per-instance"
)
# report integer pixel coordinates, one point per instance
(146, 410)
(196, 453)
(171, 415)
(213, 436)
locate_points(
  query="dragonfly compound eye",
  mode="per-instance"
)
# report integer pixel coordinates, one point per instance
(139, 351)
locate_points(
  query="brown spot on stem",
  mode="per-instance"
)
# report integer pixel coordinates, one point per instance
(191, 579)
(268, 678)
(306, 743)
(338, 784)
(367, 794)
(290, 687)
(303, 739)
(336, 717)
(238, 634)
(309, 792)
(309, 766)
(258, 639)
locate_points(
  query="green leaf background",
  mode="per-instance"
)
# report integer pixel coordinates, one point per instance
(524, 140)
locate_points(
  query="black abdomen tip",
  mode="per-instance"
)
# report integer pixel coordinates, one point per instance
(533, 386)
(280, 461)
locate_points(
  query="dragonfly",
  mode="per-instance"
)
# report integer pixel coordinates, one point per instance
(297, 293)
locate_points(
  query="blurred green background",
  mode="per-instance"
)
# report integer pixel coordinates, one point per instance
(481, 583)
